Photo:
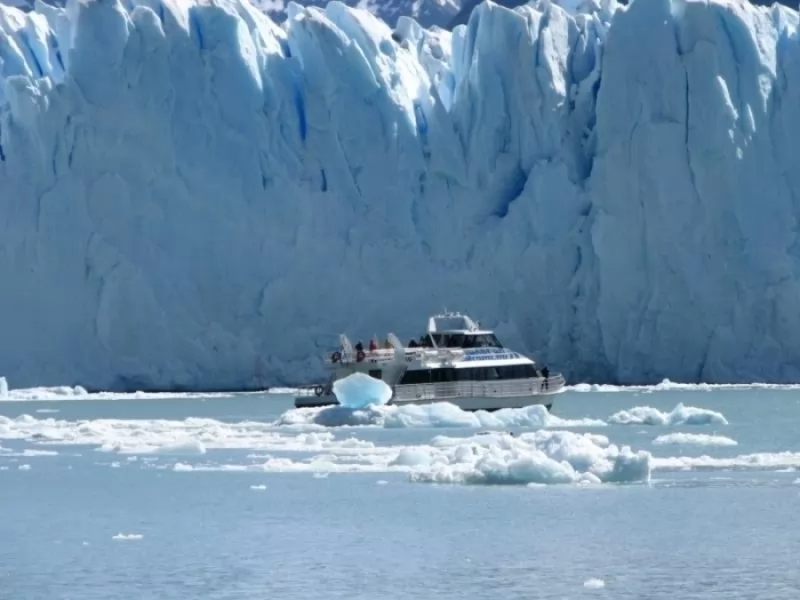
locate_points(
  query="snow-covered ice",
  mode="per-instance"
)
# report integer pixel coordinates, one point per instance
(546, 457)
(439, 414)
(51, 393)
(194, 197)
(693, 439)
(127, 537)
(680, 415)
(548, 450)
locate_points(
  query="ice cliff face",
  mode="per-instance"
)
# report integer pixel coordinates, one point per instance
(191, 196)
(429, 13)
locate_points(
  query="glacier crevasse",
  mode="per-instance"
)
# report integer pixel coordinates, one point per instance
(194, 197)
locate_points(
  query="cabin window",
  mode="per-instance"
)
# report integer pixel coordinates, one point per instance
(483, 340)
(495, 373)
(455, 340)
(376, 373)
(416, 377)
(443, 375)
(467, 374)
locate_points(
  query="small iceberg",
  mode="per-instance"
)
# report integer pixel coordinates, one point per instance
(360, 391)
(127, 537)
(680, 415)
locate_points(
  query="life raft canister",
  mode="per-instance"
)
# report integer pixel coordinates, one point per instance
(360, 355)
(336, 357)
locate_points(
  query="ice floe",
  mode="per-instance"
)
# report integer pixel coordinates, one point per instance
(436, 415)
(693, 439)
(680, 415)
(127, 536)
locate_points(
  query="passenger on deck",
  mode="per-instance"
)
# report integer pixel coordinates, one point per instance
(387, 345)
(373, 345)
(413, 344)
(546, 374)
(359, 347)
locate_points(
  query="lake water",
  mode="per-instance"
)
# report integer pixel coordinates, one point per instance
(244, 498)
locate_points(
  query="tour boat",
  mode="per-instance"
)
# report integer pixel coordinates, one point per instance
(456, 361)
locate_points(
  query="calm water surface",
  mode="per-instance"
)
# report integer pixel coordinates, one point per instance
(212, 499)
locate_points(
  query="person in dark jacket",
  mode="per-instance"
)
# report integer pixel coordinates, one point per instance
(546, 374)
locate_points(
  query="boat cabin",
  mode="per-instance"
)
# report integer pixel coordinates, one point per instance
(454, 349)
(454, 330)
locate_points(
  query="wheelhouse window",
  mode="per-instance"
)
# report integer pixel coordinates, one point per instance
(481, 340)
(466, 340)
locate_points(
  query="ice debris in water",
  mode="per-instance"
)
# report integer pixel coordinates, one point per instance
(680, 415)
(694, 439)
(127, 536)
(439, 414)
(547, 457)
(360, 391)
(594, 584)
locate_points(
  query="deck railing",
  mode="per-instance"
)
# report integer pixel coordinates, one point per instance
(502, 388)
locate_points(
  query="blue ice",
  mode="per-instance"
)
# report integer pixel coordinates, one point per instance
(361, 391)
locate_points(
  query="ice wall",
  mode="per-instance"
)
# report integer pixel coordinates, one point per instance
(429, 13)
(192, 196)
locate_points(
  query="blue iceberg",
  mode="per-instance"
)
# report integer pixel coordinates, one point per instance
(361, 391)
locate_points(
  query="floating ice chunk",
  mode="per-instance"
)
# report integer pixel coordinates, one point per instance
(669, 386)
(759, 461)
(693, 439)
(360, 391)
(185, 448)
(127, 536)
(63, 392)
(439, 414)
(258, 488)
(594, 584)
(24, 467)
(444, 414)
(680, 415)
(547, 457)
(338, 416)
(541, 457)
(30, 452)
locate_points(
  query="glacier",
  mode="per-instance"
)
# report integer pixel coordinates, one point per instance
(429, 13)
(195, 197)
